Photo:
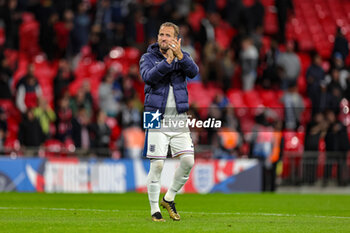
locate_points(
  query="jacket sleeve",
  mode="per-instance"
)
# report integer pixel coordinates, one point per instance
(189, 66)
(152, 74)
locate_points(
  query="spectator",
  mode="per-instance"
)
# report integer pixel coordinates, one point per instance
(11, 16)
(62, 80)
(289, 65)
(47, 39)
(30, 133)
(315, 131)
(3, 128)
(62, 5)
(64, 119)
(80, 33)
(186, 43)
(257, 12)
(293, 107)
(227, 68)
(218, 107)
(249, 61)
(135, 28)
(228, 144)
(183, 8)
(101, 131)
(347, 90)
(152, 23)
(234, 11)
(28, 91)
(283, 6)
(82, 99)
(257, 37)
(133, 142)
(314, 76)
(334, 91)
(5, 78)
(131, 85)
(210, 68)
(109, 94)
(261, 138)
(337, 145)
(207, 30)
(131, 116)
(97, 42)
(265, 144)
(119, 36)
(336, 138)
(270, 78)
(216, 110)
(63, 31)
(45, 115)
(81, 129)
(104, 18)
(218, 66)
(341, 45)
(42, 10)
(338, 63)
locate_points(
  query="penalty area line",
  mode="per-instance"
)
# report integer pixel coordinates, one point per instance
(185, 212)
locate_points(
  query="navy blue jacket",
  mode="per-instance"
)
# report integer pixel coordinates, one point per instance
(158, 74)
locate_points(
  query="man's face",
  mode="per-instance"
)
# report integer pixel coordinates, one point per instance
(165, 35)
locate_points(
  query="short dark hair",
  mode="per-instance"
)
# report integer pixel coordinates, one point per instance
(170, 24)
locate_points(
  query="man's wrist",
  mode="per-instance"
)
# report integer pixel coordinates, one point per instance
(169, 60)
(180, 56)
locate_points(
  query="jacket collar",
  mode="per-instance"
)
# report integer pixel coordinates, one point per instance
(154, 49)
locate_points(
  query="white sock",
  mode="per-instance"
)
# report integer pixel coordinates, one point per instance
(181, 176)
(153, 184)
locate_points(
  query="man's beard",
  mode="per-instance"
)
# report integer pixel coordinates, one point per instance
(164, 49)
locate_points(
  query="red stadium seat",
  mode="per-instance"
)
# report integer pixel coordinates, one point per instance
(195, 17)
(269, 98)
(2, 36)
(132, 54)
(270, 22)
(235, 97)
(69, 145)
(253, 101)
(306, 115)
(293, 141)
(272, 99)
(13, 117)
(247, 124)
(12, 144)
(53, 148)
(224, 34)
(29, 38)
(198, 95)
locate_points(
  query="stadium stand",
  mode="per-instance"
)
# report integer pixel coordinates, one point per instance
(119, 34)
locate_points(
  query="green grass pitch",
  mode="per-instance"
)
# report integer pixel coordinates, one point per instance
(38, 212)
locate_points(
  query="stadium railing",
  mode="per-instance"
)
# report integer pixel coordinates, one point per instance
(316, 168)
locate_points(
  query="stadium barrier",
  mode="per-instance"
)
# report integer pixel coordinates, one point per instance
(316, 168)
(96, 175)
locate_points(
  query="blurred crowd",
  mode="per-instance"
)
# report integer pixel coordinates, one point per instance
(226, 39)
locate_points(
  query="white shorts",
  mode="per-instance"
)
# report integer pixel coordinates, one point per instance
(157, 143)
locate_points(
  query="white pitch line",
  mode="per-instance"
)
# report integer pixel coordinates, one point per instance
(185, 212)
(59, 209)
(268, 214)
